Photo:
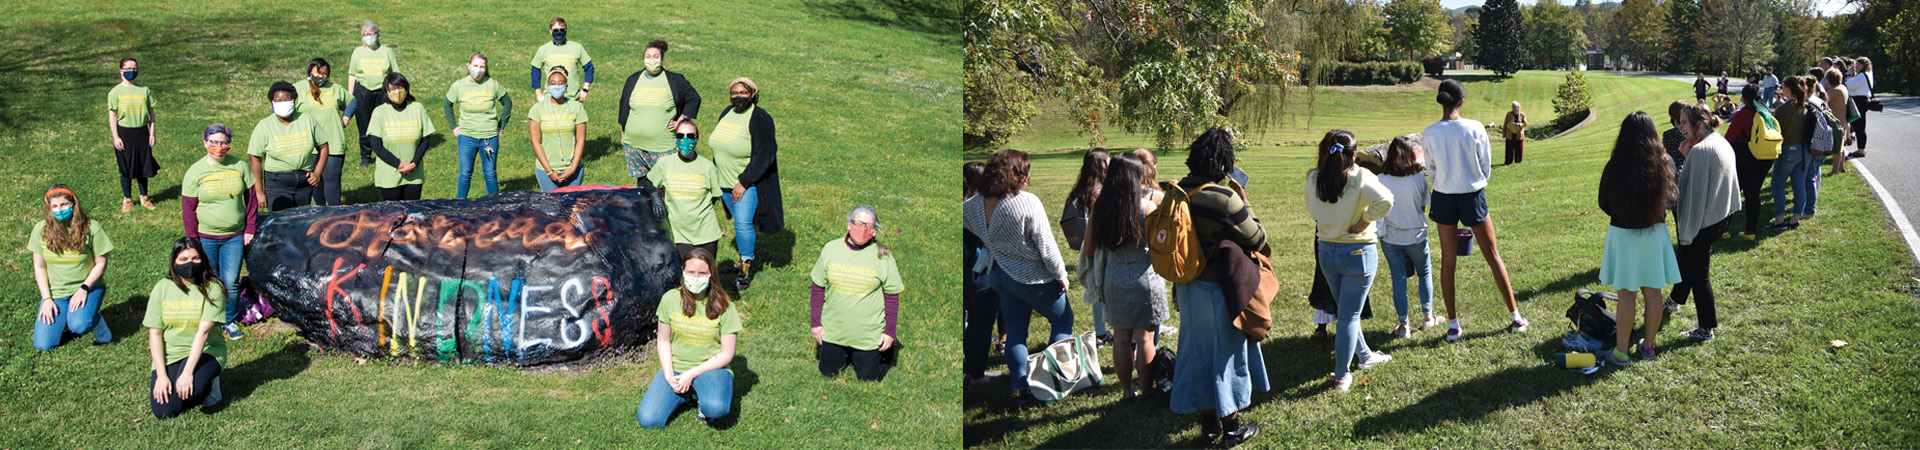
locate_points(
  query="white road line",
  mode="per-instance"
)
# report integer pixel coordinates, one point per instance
(1893, 209)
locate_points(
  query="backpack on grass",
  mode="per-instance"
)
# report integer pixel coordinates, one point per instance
(1591, 316)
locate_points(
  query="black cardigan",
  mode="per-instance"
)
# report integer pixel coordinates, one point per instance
(763, 171)
(685, 99)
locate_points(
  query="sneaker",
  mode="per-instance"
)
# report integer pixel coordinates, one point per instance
(731, 268)
(1343, 385)
(1672, 307)
(1402, 331)
(213, 393)
(233, 332)
(1647, 352)
(1616, 357)
(1103, 340)
(1699, 334)
(1857, 154)
(1520, 325)
(1375, 359)
(1243, 433)
(1453, 334)
(701, 415)
(1166, 330)
(1777, 226)
(746, 276)
(1432, 321)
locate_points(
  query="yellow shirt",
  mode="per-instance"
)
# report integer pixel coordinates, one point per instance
(1363, 199)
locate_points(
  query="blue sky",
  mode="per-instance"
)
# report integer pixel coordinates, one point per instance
(1830, 7)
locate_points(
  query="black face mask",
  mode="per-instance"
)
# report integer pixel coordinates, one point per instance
(742, 103)
(560, 37)
(189, 270)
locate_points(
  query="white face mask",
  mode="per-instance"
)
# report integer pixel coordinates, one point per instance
(475, 72)
(283, 109)
(697, 285)
(370, 40)
(557, 90)
(653, 65)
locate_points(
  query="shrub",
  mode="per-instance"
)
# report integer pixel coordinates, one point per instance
(1369, 73)
(1571, 102)
(1435, 66)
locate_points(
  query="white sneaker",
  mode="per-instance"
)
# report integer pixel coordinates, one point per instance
(1453, 334)
(1343, 385)
(1520, 324)
(1166, 330)
(1432, 321)
(1375, 359)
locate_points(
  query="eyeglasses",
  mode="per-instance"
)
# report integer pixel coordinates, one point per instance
(219, 143)
(867, 225)
(686, 135)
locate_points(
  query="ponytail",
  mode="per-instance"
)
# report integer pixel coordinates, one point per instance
(1336, 151)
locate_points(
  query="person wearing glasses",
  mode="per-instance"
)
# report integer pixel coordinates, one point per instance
(856, 301)
(689, 186)
(216, 209)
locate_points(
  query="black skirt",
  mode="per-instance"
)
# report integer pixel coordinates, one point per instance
(135, 157)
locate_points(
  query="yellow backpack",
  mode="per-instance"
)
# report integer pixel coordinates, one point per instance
(1172, 243)
(1766, 139)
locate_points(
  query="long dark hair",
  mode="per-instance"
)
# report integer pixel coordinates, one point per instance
(716, 297)
(1210, 157)
(970, 178)
(201, 279)
(314, 86)
(1400, 159)
(1638, 173)
(1115, 220)
(1334, 164)
(1093, 168)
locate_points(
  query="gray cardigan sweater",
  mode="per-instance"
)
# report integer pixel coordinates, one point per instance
(1709, 189)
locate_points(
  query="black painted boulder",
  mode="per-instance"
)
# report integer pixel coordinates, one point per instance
(515, 278)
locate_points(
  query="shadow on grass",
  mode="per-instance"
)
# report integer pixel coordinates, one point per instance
(937, 19)
(240, 381)
(124, 318)
(1564, 285)
(1476, 398)
(774, 251)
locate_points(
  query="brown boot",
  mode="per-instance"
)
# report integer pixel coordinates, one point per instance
(126, 204)
(145, 202)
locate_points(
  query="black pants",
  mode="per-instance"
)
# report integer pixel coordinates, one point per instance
(1753, 176)
(202, 382)
(403, 192)
(983, 310)
(868, 365)
(364, 102)
(1860, 126)
(713, 248)
(287, 190)
(329, 189)
(1516, 148)
(1695, 272)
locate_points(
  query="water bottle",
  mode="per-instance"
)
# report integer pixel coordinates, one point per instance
(1465, 239)
(1573, 360)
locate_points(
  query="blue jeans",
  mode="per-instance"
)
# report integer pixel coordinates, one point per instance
(223, 256)
(1349, 270)
(46, 336)
(743, 219)
(713, 389)
(1766, 94)
(1018, 302)
(1812, 181)
(1790, 169)
(1397, 256)
(470, 148)
(547, 184)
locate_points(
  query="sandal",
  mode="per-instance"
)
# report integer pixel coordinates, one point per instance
(126, 204)
(146, 202)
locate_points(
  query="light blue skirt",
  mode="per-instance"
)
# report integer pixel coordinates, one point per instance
(1218, 368)
(1637, 259)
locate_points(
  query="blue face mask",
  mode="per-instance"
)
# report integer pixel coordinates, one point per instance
(557, 91)
(129, 74)
(685, 145)
(63, 214)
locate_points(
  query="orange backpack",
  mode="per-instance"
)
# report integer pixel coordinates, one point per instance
(1172, 243)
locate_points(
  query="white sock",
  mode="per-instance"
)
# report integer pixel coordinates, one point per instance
(1516, 316)
(1455, 325)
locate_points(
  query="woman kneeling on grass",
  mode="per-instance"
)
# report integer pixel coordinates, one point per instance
(182, 311)
(69, 257)
(698, 333)
(1636, 189)
(856, 301)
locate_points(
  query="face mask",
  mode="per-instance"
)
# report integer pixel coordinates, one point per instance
(556, 91)
(316, 79)
(653, 65)
(397, 95)
(188, 270)
(129, 74)
(283, 109)
(63, 214)
(686, 146)
(476, 72)
(742, 103)
(370, 40)
(560, 37)
(697, 285)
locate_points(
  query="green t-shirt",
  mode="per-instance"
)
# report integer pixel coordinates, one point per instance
(371, 66)
(691, 187)
(478, 106)
(399, 130)
(572, 56)
(855, 311)
(326, 112)
(133, 103)
(285, 147)
(649, 107)
(178, 314)
(732, 145)
(67, 270)
(556, 129)
(219, 186)
(695, 338)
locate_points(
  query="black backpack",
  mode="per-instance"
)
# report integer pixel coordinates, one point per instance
(1591, 316)
(1163, 365)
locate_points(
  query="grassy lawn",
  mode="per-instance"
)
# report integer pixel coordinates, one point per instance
(853, 85)
(1769, 380)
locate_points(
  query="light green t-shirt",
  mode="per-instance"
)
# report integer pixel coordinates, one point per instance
(572, 56)
(695, 338)
(133, 103)
(854, 314)
(178, 314)
(219, 186)
(67, 270)
(556, 129)
(649, 107)
(732, 145)
(690, 189)
(326, 112)
(371, 66)
(285, 147)
(478, 106)
(399, 131)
